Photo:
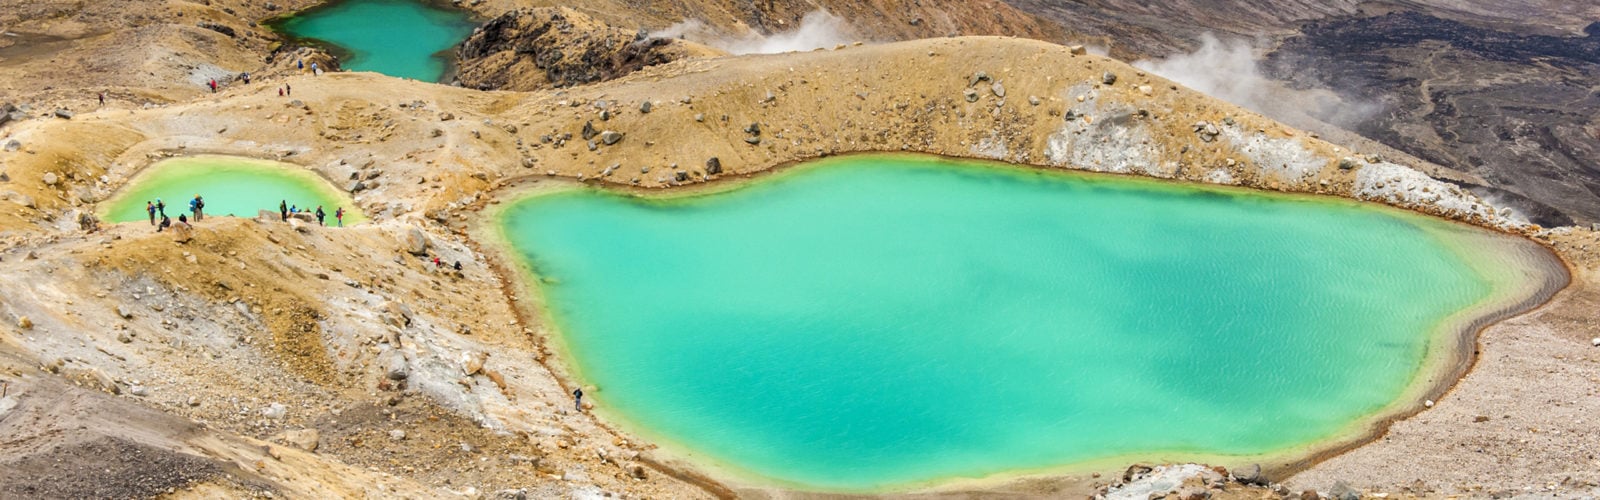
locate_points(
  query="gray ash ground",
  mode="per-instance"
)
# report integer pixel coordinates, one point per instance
(1519, 110)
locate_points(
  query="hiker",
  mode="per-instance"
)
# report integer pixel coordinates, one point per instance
(320, 215)
(161, 208)
(294, 209)
(165, 223)
(280, 91)
(246, 77)
(458, 265)
(283, 209)
(213, 84)
(577, 398)
(287, 90)
(314, 70)
(338, 216)
(102, 98)
(183, 218)
(436, 263)
(198, 206)
(151, 209)
(300, 64)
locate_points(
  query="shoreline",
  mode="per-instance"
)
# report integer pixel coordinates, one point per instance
(341, 54)
(1448, 371)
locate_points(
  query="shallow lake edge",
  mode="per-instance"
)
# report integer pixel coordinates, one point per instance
(1444, 364)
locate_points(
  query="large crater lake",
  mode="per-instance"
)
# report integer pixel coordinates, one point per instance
(871, 323)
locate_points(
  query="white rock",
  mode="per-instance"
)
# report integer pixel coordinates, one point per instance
(1596, 341)
(1428, 403)
(397, 435)
(275, 411)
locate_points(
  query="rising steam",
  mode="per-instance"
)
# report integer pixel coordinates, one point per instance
(819, 29)
(1228, 70)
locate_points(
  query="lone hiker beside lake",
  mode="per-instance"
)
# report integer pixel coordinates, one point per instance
(577, 398)
(198, 206)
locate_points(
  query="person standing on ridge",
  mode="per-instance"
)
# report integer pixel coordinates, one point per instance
(321, 215)
(283, 210)
(161, 208)
(287, 90)
(577, 398)
(338, 216)
(151, 209)
(102, 98)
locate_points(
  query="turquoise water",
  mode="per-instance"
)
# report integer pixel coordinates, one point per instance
(230, 186)
(400, 38)
(883, 321)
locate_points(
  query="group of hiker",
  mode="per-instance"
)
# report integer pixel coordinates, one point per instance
(158, 208)
(285, 210)
(158, 212)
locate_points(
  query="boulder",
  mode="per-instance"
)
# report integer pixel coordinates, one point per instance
(416, 243)
(472, 362)
(87, 222)
(1078, 50)
(50, 178)
(589, 131)
(754, 128)
(752, 140)
(645, 107)
(998, 89)
(275, 411)
(398, 314)
(1348, 163)
(977, 77)
(680, 176)
(1343, 491)
(12, 146)
(64, 114)
(1596, 341)
(24, 323)
(1108, 78)
(305, 439)
(125, 312)
(357, 186)
(1034, 100)
(713, 166)
(397, 435)
(610, 137)
(393, 364)
(182, 232)
(971, 95)
(1250, 475)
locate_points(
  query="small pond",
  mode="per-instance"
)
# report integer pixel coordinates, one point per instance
(402, 38)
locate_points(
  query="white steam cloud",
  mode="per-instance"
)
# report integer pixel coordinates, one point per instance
(818, 29)
(1228, 70)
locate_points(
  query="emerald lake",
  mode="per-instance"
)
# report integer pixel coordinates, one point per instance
(231, 186)
(402, 38)
(882, 322)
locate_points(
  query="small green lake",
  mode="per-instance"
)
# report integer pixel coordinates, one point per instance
(884, 322)
(402, 38)
(231, 186)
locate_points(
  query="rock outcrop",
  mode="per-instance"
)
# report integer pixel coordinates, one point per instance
(550, 47)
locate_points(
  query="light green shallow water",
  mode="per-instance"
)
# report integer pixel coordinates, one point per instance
(400, 38)
(882, 321)
(230, 186)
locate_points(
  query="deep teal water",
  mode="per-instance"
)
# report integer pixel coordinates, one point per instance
(395, 37)
(883, 321)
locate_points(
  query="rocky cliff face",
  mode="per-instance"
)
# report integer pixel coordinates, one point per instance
(542, 48)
